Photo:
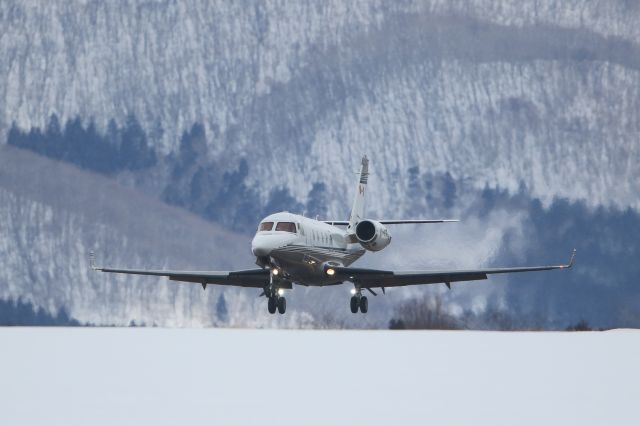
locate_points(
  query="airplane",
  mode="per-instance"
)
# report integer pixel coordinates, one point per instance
(294, 249)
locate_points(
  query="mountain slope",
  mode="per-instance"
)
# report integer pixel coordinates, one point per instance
(543, 95)
(519, 118)
(53, 214)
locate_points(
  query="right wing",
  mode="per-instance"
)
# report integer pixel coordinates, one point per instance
(257, 278)
(368, 278)
(393, 221)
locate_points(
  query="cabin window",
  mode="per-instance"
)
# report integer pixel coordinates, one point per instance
(265, 226)
(286, 226)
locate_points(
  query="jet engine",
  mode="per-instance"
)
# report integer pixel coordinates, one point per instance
(372, 235)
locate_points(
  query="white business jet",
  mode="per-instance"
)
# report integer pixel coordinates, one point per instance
(293, 249)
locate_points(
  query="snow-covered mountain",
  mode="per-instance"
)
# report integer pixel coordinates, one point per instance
(543, 94)
(490, 112)
(53, 214)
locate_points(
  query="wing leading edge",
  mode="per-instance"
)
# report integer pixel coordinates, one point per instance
(380, 278)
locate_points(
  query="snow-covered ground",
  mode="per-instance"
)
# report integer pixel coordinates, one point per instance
(98, 376)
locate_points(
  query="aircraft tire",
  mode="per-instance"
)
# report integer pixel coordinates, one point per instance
(271, 305)
(354, 305)
(282, 305)
(364, 304)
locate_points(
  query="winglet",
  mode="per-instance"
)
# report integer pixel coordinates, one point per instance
(92, 261)
(573, 257)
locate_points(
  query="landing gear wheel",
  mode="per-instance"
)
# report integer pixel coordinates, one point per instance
(282, 305)
(354, 305)
(364, 304)
(271, 305)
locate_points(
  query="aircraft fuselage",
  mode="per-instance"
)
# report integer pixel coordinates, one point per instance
(301, 248)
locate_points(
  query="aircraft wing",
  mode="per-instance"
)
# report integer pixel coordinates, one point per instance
(368, 278)
(257, 278)
(393, 221)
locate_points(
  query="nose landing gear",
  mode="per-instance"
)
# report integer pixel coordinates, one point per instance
(274, 294)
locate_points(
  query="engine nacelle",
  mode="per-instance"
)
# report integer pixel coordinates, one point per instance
(372, 235)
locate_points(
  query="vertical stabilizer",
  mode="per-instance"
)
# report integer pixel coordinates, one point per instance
(357, 211)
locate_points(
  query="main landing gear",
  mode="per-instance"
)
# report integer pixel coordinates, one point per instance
(359, 301)
(277, 302)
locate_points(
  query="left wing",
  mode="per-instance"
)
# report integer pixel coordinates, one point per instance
(368, 278)
(258, 278)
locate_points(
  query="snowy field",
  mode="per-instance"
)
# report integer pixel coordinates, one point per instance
(138, 376)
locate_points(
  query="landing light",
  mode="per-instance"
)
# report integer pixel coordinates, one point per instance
(280, 292)
(353, 291)
(275, 271)
(331, 272)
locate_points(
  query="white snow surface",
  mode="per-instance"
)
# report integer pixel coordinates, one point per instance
(120, 376)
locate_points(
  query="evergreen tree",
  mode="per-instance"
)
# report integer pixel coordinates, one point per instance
(119, 149)
(317, 204)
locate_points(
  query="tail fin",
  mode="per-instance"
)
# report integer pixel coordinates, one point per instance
(357, 211)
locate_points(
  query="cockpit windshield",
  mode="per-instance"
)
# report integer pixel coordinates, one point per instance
(265, 226)
(286, 226)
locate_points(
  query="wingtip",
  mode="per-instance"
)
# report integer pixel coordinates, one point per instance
(92, 260)
(573, 258)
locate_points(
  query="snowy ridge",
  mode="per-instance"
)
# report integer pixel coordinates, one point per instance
(584, 147)
(54, 214)
(405, 82)
(609, 18)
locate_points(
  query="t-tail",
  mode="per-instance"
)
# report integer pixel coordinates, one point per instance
(358, 225)
(357, 211)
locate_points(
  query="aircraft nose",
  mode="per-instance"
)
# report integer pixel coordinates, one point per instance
(262, 245)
